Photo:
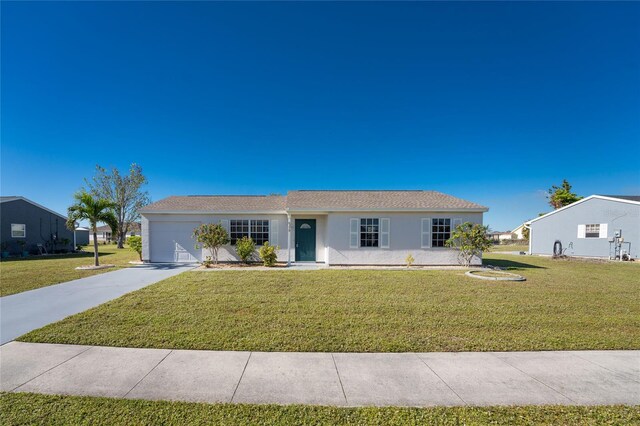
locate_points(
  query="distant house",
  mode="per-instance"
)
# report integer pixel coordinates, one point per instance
(82, 236)
(105, 235)
(329, 227)
(606, 226)
(501, 236)
(517, 233)
(27, 226)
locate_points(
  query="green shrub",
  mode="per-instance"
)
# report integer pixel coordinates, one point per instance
(245, 248)
(135, 243)
(211, 236)
(268, 254)
(470, 239)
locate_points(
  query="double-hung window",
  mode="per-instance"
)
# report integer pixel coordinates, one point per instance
(369, 232)
(440, 231)
(592, 230)
(18, 230)
(260, 231)
(256, 229)
(238, 229)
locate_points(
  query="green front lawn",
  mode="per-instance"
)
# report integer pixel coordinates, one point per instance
(22, 408)
(510, 247)
(20, 275)
(562, 305)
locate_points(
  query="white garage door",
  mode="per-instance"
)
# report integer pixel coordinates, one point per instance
(172, 242)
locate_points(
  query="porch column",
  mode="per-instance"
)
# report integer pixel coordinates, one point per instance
(288, 239)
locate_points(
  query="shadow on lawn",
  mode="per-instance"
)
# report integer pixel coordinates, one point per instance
(510, 264)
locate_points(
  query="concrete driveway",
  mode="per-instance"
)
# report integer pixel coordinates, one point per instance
(23, 312)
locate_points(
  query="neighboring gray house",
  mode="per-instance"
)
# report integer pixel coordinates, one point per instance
(24, 220)
(589, 227)
(331, 227)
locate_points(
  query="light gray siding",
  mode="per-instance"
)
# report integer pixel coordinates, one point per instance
(563, 226)
(404, 237)
(167, 237)
(157, 227)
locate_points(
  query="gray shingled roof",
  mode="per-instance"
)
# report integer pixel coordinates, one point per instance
(314, 200)
(219, 203)
(342, 200)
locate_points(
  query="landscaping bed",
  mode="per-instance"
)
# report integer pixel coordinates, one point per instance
(23, 408)
(561, 306)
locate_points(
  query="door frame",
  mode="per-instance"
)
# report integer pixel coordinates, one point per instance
(315, 238)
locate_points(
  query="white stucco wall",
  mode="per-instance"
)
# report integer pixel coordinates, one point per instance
(404, 238)
(332, 237)
(226, 253)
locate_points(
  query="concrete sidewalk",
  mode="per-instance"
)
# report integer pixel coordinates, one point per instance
(23, 312)
(342, 379)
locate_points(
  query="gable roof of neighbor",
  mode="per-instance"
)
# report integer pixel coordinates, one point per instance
(314, 201)
(631, 199)
(6, 199)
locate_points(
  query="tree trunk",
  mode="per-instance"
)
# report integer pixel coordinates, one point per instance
(95, 248)
(121, 238)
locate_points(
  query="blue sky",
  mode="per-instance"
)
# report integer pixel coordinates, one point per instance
(493, 102)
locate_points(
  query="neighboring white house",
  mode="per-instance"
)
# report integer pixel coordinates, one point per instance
(501, 236)
(331, 227)
(104, 233)
(596, 226)
(517, 233)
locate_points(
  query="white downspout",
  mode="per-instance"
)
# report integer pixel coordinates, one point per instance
(288, 239)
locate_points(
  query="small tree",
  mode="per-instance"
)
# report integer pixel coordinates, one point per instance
(93, 209)
(246, 248)
(211, 236)
(525, 233)
(409, 260)
(268, 254)
(135, 244)
(560, 196)
(471, 240)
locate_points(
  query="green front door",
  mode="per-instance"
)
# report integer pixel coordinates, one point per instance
(305, 240)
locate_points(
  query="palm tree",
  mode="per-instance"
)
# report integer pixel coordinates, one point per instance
(94, 210)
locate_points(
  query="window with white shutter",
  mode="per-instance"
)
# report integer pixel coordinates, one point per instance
(425, 234)
(273, 238)
(385, 224)
(581, 231)
(604, 228)
(353, 233)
